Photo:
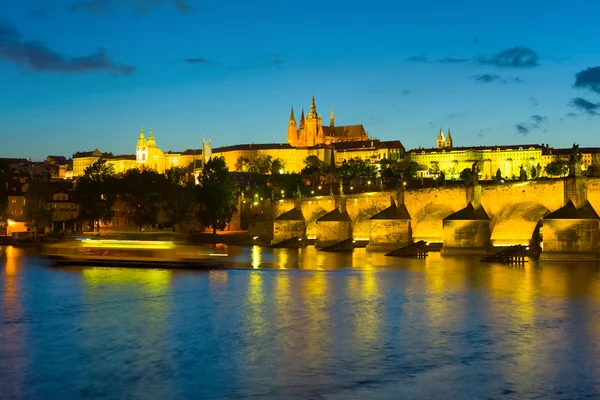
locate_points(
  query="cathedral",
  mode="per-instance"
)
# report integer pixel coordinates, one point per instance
(312, 132)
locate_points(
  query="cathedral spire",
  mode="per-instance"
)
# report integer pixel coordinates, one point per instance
(302, 119)
(292, 118)
(331, 118)
(313, 109)
(142, 133)
(441, 142)
(449, 139)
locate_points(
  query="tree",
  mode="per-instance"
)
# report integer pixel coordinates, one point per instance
(533, 172)
(498, 175)
(259, 163)
(37, 204)
(465, 174)
(277, 166)
(312, 165)
(356, 166)
(411, 170)
(143, 190)
(216, 194)
(434, 169)
(179, 196)
(557, 168)
(96, 193)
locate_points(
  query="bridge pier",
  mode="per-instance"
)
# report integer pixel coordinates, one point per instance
(289, 225)
(467, 231)
(571, 233)
(335, 226)
(390, 228)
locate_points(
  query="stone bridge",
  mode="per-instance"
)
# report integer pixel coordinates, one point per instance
(461, 217)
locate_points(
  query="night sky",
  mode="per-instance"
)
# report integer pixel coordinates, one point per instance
(82, 74)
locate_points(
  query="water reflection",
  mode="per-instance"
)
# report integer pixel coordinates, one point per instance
(299, 323)
(12, 329)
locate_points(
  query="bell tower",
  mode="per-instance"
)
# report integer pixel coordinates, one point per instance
(441, 142)
(448, 140)
(141, 151)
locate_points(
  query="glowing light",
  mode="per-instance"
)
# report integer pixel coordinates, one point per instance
(127, 244)
(319, 187)
(11, 222)
(404, 183)
(282, 192)
(255, 237)
(351, 187)
(281, 170)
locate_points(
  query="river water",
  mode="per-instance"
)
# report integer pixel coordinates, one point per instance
(300, 324)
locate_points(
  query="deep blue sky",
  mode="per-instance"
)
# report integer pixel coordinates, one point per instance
(84, 74)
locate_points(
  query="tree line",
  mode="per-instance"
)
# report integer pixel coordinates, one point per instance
(211, 199)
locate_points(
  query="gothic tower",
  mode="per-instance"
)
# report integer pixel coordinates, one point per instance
(331, 119)
(292, 135)
(449, 140)
(441, 143)
(141, 150)
(313, 127)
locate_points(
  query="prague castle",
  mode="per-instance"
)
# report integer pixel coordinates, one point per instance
(310, 139)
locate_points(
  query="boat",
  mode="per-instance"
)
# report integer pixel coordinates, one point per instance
(131, 253)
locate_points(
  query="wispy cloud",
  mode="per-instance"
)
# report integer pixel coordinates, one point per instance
(534, 101)
(93, 7)
(198, 60)
(36, 56)
(406, 92)
(513, 57)
(482, 132)
(586, 106)
(489, 78)
(535, 122)
(588, 79)
(98, 7)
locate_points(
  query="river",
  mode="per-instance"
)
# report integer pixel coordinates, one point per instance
(300, 324)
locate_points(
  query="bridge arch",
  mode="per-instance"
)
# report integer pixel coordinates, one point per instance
(517, 223)
(428, 223)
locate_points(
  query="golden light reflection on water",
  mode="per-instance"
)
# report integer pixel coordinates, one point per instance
(12, 336)
(256, 256)
(364, 287)
(155, 281)
(316, 318)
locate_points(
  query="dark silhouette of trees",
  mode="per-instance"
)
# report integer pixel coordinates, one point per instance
(313, 165)
(96, 193)
(180, 196)
(37, 204)
(143, 192)
(465, 174)
(216, 195)
(557, 168)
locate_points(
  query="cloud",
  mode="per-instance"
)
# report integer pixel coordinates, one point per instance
(36, 56)
(539, 119)
(588, 79)
(513, 57)
(421, 59)
(534, 101)
(98, 7)
(482, 132)
(453, 60)
(93, 7)
(586, 106)
(489, 78)
(406, 92)
(525, 128)
(198, 60)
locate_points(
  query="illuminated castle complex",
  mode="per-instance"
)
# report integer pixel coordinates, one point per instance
(310, 139)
